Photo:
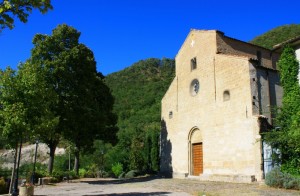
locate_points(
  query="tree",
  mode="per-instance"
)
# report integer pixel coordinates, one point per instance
(21, 9)
(26, 102)
(13, 112)
(84, 102)
(91, 106)
(286, 138)
(43, 101)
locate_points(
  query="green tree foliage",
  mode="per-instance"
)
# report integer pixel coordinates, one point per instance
(26, 102)
(44, 100)
(138, 91)
(84, 102)
(13, 112)
(20, 9)
(277, 35)
(286, 138)
(19, 100)
(56, 93)
(21, 103)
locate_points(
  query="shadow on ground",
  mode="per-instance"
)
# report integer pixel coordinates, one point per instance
(121, 181)
(128, 194)
(133, 194)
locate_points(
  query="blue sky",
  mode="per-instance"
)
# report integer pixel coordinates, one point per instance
(122, 32)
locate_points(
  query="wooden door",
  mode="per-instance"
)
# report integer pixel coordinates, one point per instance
(197, 159)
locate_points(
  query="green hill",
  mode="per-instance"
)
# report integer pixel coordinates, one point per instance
(138, 91)
(277, 35)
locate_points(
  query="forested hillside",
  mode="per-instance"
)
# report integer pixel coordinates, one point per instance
(138, 91)
(277, 35)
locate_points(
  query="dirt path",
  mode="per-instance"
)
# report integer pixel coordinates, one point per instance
(158, 186)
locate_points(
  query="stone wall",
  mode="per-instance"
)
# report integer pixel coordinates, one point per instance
(230, 46)
(222, 110)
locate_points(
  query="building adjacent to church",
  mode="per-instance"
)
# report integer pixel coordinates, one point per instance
(216, 108)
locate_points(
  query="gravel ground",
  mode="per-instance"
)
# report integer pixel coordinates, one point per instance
(149, 186)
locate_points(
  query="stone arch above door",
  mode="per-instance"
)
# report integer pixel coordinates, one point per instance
(195, 136)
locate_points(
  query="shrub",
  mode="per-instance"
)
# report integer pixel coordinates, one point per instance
(58, 175)
(61, 162)
(291, 167)
(290, 182)
(2, 186)
(274, 178)
(122, 175)
(279, 179)
(54, 180)
(92, 171)
(82, 172)
(40, 174)
(72, 174)
(117, 169)
(131, 174)
(5, 172)
(105, 174)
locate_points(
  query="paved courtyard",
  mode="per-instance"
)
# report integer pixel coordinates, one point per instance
(149, 186)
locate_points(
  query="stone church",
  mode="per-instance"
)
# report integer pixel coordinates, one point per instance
(217, 107)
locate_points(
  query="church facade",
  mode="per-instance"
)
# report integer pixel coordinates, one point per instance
(216, 108)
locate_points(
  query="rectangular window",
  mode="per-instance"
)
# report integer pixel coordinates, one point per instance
(193, 63)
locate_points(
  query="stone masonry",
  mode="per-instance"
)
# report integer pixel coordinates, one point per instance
(221, 89)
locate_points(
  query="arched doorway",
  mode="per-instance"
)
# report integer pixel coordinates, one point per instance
(195, 152)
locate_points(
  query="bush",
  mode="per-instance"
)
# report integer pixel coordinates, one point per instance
(291, 167)
(92, 171)
(2, 186)
(290, 182)
(82, 172)
(117, 169)
(58, 175)
(5, 173)
(105, 174)
(54, 180)
(274, 178)
(279, 179)
(61, 162)
(122, 175)
(72, 174)
(131, 174)
(40, 174)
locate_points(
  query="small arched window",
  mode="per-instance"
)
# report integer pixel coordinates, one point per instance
(226, 95)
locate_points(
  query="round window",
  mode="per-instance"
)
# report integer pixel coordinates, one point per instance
(194, 87)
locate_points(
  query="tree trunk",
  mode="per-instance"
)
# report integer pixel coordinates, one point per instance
(76, 163)
(13, 175)
(52, 148)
